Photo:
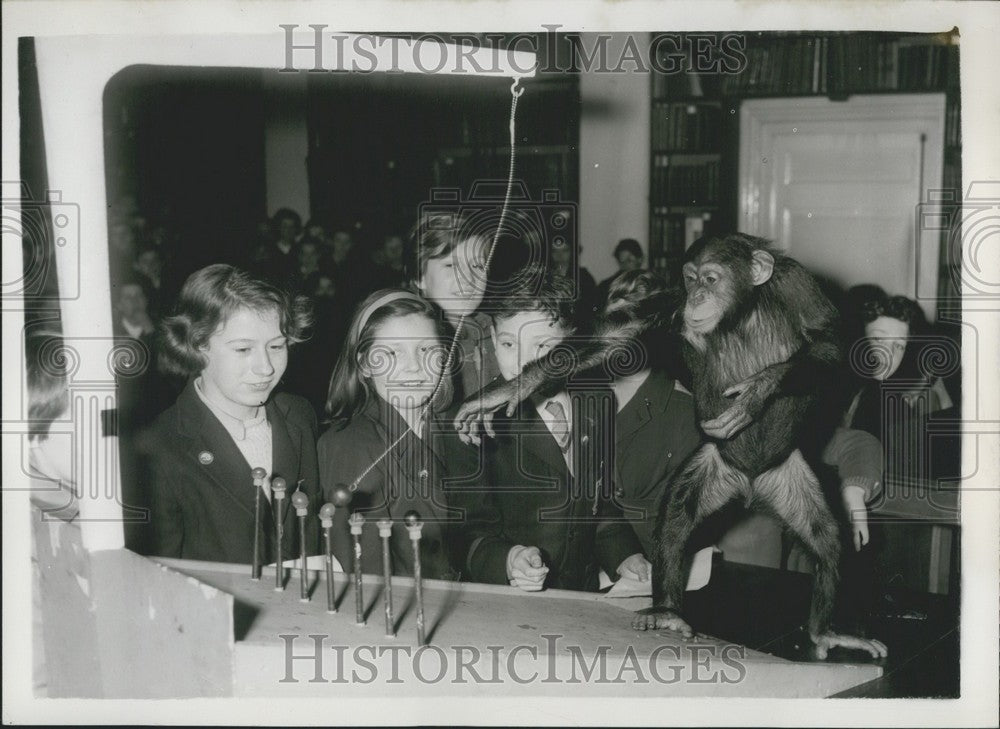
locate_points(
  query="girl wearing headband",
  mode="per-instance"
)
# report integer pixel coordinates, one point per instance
(384, 443)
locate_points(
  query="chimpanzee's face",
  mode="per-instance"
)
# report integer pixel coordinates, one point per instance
(718, 284)
(710, 289)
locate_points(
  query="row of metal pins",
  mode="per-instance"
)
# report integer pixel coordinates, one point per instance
(342, 498)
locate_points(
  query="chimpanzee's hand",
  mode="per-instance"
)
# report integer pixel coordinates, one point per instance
(478, 410)
(661, 618)
(825, 641)
(750, 396)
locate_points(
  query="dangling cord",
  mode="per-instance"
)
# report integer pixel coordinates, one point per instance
(515, 93)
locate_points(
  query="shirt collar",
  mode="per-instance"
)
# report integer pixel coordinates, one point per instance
(237, 427)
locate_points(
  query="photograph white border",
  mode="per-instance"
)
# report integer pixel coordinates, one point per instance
(979, 27)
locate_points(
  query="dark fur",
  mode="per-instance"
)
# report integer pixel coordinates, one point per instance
(783, 333)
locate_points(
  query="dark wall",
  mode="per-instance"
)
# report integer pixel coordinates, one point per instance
(188, 143)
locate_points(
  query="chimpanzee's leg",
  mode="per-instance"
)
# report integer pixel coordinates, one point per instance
(794, 493)
(701, 487)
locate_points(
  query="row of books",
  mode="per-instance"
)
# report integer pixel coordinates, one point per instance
(782, 66)
(686, 127)
(670, 235)
(684, 181)
(860, 62)
(685, 85)
(901, 64)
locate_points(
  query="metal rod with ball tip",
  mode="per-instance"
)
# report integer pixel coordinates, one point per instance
(414, 527)
(301, 503)
(385, 532)
(278, 487)
(326, 513)
(258, 474)
(357, 521)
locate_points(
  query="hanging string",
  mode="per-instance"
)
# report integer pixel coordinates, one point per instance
(515, 93)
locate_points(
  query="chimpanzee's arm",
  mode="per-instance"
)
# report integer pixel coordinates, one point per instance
(615, 332)
(812, 369)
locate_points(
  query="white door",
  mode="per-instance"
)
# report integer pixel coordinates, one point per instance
(837, 184)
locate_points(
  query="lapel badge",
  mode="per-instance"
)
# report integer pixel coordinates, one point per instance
(206, 458)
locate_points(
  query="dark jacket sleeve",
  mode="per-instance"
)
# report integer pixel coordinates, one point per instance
(615, 540)
(344, 455)
(165, 513)
(305, 416)
(481, 544)
(486, 559)
(858, 458)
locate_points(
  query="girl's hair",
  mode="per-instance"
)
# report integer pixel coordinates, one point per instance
(436, 235)
(48, 360)
(208, 298)
(350, 391)
(894, 307)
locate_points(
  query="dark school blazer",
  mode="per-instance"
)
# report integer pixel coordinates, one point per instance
(411, 476)
(532, 499)
(200, 486)
(654, 434)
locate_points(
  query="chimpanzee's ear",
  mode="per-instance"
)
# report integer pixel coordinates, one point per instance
(761, 267)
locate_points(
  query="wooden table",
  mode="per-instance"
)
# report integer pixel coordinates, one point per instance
(485, 640)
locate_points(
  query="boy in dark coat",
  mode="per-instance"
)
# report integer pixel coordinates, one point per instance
(546, 517)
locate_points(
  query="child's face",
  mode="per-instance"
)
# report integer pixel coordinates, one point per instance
(405, 361)
(456, 282)
(888, 336)
(132, 302)
(523, 338)
(149, 263)
(246, 358)
(627, 261)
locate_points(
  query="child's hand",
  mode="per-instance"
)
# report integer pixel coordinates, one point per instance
(854, 502)
(637, 567)
(526, 569)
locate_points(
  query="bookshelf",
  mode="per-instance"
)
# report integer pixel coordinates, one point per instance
(694, 149)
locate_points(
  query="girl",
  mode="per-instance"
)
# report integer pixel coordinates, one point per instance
(450, 271)
(229, 335)
(379, 446)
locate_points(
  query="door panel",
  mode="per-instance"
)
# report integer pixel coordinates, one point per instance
(837, 184)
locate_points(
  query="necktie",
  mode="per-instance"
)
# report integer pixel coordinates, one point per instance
(561, 430)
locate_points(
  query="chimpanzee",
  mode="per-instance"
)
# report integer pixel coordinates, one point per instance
(760, 341)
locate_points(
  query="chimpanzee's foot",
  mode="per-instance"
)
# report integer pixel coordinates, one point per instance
(825, 641)
(661, 618)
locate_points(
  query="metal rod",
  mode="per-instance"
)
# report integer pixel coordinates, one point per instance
(385, 531)
(326, 513)
(258, 484)
(357, 521)
(278, 487)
